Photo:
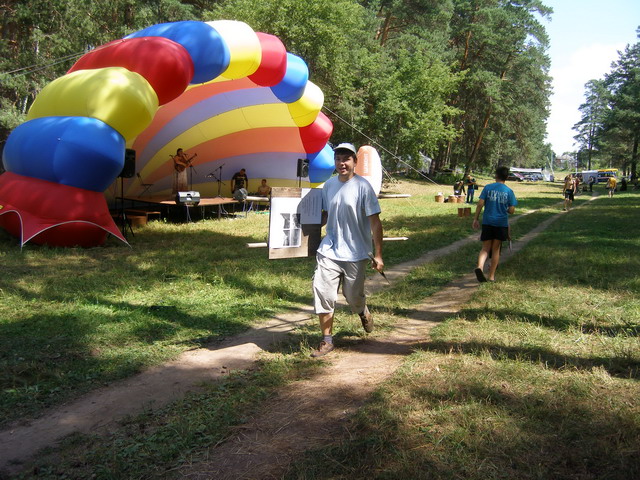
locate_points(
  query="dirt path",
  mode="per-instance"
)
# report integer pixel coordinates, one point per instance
(352, 375)
(310, 413)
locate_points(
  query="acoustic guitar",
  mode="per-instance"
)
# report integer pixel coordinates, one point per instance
(180, 166)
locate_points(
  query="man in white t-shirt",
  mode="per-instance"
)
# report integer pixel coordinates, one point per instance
(351, 213)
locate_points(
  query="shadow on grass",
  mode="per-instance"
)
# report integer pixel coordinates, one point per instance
(88, 316)
(149, 300)
(628, 330)
(465, 426)
(561, 324)
(42, 370)
(158, 441)
(616, 366)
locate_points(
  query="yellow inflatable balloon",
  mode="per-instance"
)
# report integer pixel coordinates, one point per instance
(120, 98)
(305, 110)
(244, 48)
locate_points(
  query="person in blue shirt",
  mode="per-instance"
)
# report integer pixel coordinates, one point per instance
(498, 202)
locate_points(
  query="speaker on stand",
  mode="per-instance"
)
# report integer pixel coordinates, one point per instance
(302, 169)
(128, 171)
(129, 168)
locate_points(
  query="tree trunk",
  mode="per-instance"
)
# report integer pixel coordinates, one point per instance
(467, 42)
(465, 56)
(591, 136)
(383, 33)
(478, 142)
(634, 158)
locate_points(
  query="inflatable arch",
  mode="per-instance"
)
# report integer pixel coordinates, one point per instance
(235, 97)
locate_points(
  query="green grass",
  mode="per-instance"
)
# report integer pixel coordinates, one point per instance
(450, 416)
(494, 393)
(152, 443)
(536, 378)
(75, 319)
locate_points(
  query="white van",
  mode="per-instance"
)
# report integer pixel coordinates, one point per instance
(587, 174)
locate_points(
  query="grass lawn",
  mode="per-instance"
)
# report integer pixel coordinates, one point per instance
(74, 319)
(537, 378)
(529, 381)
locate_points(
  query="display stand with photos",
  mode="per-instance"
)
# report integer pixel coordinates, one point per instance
(295, 222)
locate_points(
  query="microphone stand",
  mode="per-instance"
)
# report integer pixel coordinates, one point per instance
(124, 221)
(191, 170)
(218, 178)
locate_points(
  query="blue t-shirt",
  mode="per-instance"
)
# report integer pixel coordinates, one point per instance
(349, 206)
(497, 200)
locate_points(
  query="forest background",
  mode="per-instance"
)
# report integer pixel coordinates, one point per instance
(463, 82)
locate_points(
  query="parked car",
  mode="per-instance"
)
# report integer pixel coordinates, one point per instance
(515, 176)
(605, 173)
(533, 177)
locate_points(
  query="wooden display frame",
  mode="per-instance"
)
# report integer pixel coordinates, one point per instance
(307, 235)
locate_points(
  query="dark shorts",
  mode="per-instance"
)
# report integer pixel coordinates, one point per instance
(568, 194)
(490, 232)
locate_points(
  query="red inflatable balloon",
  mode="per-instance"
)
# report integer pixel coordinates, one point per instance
(314, 137)
(50, 213)
(165, 64)
(274, 61)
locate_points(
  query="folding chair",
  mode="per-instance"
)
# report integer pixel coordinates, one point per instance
(146, 186)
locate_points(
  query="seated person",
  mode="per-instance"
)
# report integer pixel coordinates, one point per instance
(264, 190)
(458, 188)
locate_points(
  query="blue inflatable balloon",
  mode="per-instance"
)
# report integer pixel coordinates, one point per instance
(75, 151)
(294, 82)
(209, 52)
(321, 165)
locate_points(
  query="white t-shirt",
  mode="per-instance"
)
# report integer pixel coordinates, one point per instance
(349, 205)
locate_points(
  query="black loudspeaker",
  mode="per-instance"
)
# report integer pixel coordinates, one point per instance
(129, 169)
(303, 167)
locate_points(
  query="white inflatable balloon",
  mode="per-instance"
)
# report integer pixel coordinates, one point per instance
(369, 166)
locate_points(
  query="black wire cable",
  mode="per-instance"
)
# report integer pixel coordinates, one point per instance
(381, 146)
(37, 68)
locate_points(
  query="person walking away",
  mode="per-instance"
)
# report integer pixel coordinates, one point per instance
(568, 191)
(611, 185)
(351, 213)
(498, 202)
(471, 185)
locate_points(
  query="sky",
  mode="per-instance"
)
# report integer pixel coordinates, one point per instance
(585, 37)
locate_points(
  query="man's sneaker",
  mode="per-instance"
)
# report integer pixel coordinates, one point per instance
(323, 349)
(367, 320)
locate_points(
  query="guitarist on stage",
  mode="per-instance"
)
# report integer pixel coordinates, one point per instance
(180, 164)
